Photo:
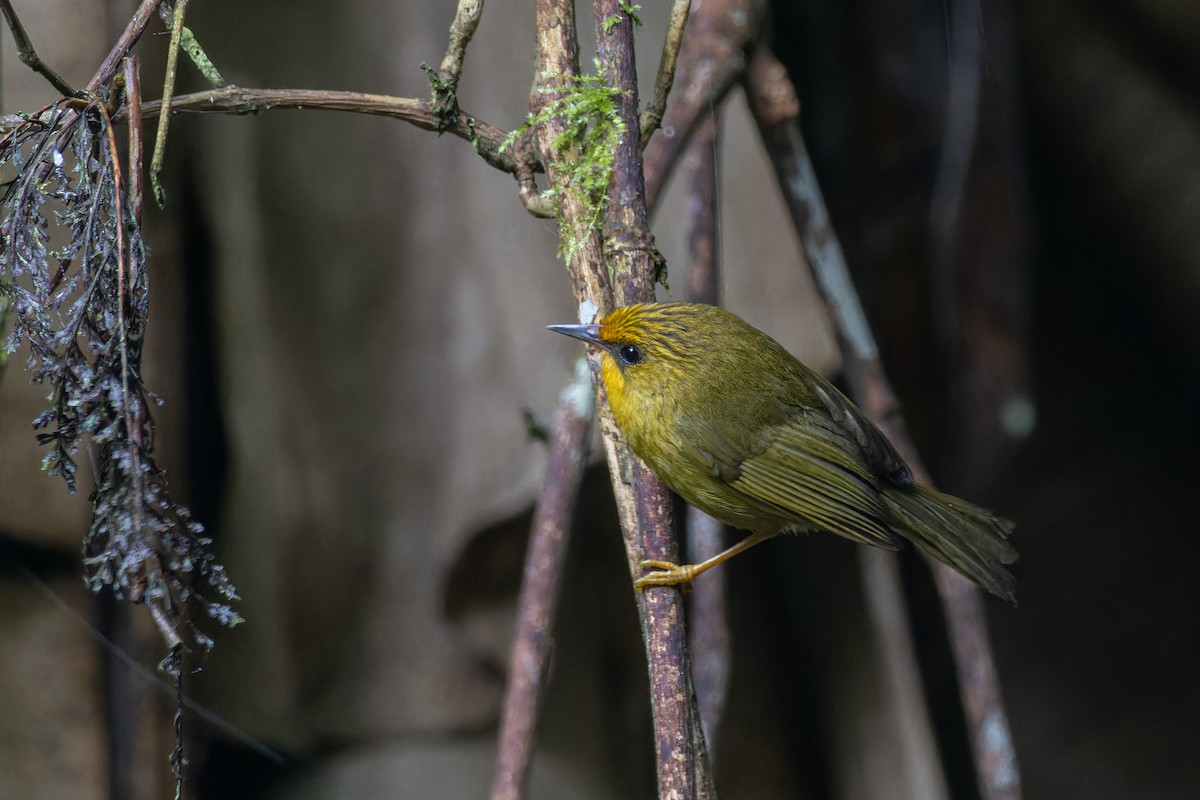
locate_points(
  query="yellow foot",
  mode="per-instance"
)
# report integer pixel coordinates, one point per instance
(666, 573)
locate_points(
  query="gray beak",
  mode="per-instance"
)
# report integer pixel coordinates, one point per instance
(585, 333)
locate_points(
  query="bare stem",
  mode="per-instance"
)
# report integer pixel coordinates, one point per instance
(164, 117)
(713, 56)
(652, 116)
(486, 138)
(133, 97)
(466, 20)
(709, 636)
(538, 600)
(28, 55)
(129, 37)
(777, 110)
(704, 241)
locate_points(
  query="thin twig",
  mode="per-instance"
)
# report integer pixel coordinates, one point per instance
(652, 116)
(709, 636)
(776, 109)
(28, 55)
(704, 232)
(997, 769)
(713, 57)
(133, 97)
(534, 201)
(134, 432)
(129, 37)
(486, 138)
(466, 20)
(164, 117)
(537, 603)
(163, 623)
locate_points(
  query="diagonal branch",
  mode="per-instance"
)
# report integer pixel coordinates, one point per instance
(652, 116)
(712, 58)
(129, 37)
(538, 601)
(466, 20)
(776, 109)
(28, 55)
(133, 98)
(164, 118)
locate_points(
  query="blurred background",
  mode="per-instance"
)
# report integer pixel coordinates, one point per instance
(346, 328)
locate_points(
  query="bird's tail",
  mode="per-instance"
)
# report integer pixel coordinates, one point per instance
(968, 538)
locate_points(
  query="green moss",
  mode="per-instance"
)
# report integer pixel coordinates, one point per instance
(592, 129)
(631, 9)
(445, 102)
(189, 45)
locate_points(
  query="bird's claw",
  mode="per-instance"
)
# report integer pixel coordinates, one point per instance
(666, 573)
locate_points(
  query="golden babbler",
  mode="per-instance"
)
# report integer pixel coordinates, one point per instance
(738, 427)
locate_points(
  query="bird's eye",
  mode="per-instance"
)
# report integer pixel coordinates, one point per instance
(630, 354)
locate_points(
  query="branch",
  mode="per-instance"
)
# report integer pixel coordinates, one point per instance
(708, 624)
(704, 241)
(466, 20)
(538, 600)
(164, 117)
(652, 116)
(487, 139)
(683, 768)
(129, 37)
(776, 109)
(713, 56)
(28, 55)
(643, 504)
(133, 97)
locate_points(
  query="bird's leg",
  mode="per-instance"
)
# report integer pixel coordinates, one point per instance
(667, 573)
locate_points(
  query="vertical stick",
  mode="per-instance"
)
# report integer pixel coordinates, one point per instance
(709, 627)
(537, 603)
(683, 770)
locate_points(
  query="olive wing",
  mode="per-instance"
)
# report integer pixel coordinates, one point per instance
(879, 453)
(809, 470)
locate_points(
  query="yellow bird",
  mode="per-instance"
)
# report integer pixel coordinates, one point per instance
(739, 428)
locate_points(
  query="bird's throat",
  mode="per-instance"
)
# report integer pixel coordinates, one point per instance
(614, 386)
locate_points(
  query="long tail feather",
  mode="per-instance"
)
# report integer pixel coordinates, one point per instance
(968, 538)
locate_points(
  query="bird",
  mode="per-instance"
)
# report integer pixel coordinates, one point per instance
(738, 427)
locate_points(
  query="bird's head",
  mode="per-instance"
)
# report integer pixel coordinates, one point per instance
(647, 347)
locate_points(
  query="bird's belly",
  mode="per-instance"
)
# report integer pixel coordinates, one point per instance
(715, 497)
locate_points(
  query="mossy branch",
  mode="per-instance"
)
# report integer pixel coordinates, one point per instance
(589, 130)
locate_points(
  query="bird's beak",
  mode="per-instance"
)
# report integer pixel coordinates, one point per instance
(586, 333)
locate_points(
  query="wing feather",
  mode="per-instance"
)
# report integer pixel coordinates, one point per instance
(808, 471)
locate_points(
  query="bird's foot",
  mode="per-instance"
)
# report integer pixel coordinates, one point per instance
(666, 573)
